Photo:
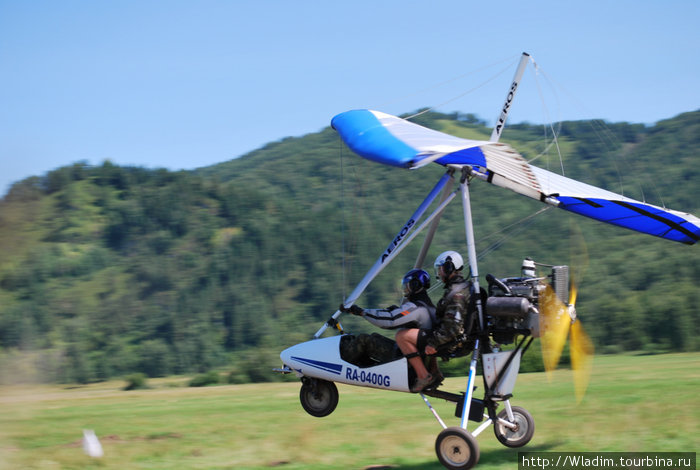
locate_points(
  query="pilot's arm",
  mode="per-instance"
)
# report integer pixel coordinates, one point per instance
(408, 315)
(451, 325)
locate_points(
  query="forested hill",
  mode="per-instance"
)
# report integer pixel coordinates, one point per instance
(106, 270)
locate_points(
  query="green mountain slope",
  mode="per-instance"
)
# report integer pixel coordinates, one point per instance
(108, 270)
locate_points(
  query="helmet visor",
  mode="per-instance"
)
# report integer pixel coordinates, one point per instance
(406, 287)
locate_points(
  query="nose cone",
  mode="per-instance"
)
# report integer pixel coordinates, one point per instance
(287, 354)
(318, 358)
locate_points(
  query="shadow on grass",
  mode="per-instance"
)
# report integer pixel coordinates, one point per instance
(488, 459)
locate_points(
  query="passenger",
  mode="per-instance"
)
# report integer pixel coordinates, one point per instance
(452, 318)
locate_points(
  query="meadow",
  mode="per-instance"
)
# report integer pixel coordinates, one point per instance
(644, 403)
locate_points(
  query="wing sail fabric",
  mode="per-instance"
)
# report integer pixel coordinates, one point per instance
(396, 142)
(393, 141)
(615, 209)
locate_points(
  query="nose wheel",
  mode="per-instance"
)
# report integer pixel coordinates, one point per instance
(457, 449)
(318, 397)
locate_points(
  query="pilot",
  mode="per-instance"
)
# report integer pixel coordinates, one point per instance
(452, 322)
(416, 313)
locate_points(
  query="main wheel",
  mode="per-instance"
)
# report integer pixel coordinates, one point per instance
(523, 432)
(318, 397)
(457, 449)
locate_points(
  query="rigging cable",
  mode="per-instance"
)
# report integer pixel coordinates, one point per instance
(548, 119)
(521, 224)
(349, 216)
(455, 98)
(342, 221)
(448, 81)
(607, 137)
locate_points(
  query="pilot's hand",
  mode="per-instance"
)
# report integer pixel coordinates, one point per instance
(429, 350)
(354, 309)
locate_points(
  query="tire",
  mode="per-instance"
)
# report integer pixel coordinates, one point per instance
(457, 449)
(519, 436)
(318, 397)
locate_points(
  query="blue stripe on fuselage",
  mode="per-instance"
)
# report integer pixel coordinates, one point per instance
(325, 366)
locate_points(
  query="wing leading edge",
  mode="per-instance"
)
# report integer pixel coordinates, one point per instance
(393, 141)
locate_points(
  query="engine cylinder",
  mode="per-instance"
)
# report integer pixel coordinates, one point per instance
(510, 307)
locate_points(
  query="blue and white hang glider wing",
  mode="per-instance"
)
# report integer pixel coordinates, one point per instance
(396, 142)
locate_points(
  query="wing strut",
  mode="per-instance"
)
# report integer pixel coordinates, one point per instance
(398, 243)
(433, 227)
(474, 275)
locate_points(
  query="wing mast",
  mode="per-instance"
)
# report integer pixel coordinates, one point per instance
(469, 231)
(501, 121)
(466, 202)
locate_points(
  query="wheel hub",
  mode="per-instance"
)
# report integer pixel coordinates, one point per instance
(456, 450)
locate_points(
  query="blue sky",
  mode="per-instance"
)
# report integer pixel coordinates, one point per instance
(180, 84)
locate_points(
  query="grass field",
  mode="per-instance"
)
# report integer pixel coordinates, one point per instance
(634, 403)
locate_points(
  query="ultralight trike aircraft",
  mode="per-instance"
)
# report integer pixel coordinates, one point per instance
(513, 310)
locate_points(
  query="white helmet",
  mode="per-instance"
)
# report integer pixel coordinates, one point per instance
(451, 260)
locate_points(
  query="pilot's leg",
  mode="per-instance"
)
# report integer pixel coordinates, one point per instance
(432, 363)
(407, 340)
(435, 370)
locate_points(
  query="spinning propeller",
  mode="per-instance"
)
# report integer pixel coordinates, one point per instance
(559, 320)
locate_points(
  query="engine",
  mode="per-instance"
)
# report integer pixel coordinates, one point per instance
(512, 307)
